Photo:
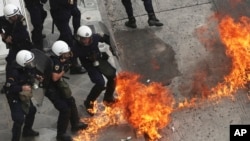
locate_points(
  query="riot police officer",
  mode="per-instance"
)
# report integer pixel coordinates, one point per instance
(152, 20)
(37, 17)
(96, 65)
(61, 12)
(19, 92)
(14, 32)
(59, 93)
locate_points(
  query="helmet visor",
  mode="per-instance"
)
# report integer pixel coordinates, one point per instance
(30, 64)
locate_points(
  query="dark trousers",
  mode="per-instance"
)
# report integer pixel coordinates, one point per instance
(37, 17)
(129, 9)
(67, 110)
(19, 117)
(61, 19)
(97, 78)
(76, 18)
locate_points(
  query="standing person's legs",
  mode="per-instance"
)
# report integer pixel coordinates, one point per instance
(28, 123)
(63, 119)
(17, 116)
(129, 10)
(74, 117)
(37, 22)
(76, 18)
(61, 19)
(152, 20)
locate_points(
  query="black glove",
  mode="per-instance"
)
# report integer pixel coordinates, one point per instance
(105, 56)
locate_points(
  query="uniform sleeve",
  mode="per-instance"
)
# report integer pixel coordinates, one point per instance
(57, 68)
(12, 84)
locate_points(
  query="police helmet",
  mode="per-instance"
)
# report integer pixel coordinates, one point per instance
(60, 47)
(84, 31)
(10, 10)
(25, 58)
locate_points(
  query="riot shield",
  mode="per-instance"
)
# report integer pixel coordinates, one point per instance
(43, 64)
(44, 67)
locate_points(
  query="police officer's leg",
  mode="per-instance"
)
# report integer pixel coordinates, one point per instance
(43, 13)
(129, 10)
(63, 119)
(152, 20)
(74, 117)
(64, 112)
(61, 20)
(109, 93)
(36, 20)
(97, 78)
(76, 18)
(29, 120)
(17, 116)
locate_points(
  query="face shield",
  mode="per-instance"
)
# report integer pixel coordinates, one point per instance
(30, 64)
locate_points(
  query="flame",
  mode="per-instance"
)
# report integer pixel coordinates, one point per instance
(236, 38)
(146, 107)
(235, 35)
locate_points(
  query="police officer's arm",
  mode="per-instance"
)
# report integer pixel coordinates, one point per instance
(57, 76)
(58, 72)
(12, 84)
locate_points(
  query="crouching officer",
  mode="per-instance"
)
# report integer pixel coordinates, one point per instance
(19, 84)
(96, 65)
(59, 93)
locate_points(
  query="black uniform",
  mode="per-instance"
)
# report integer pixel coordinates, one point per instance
(152, 20)
(61, 12)
(20, 112)
(65, 105)
(37, 17)
(88, 55)
(20, 37)
(129, 10)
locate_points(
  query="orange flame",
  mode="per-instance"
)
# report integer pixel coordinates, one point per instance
(236, 38)
(146, 107)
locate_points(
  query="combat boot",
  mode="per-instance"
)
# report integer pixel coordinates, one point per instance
(109, 102)
(64, 137)
(30, 133)
(131, 22)
(89, 107)
(79, 126)
(153, 21)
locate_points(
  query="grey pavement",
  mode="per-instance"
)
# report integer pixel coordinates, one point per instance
(177, 55)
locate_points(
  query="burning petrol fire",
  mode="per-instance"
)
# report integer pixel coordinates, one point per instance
(146, 108)
(236, 38)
